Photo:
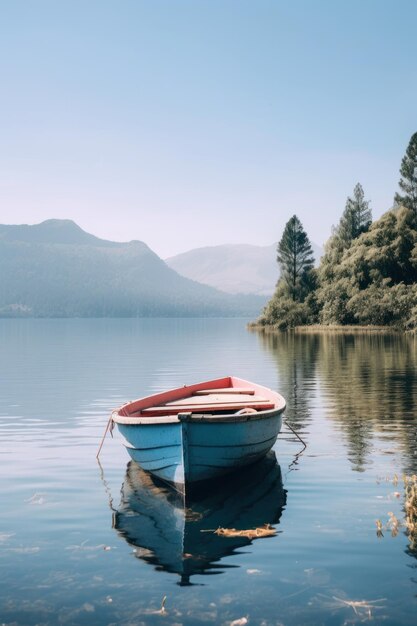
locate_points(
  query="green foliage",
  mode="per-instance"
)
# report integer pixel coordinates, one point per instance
(408, 180)
(356, 218)
(365, 278)
(293, 303)
(383, 304)
(295, 257)
(411, 320)
(374, 280)
(284, 313)
(333, 297)
(333, 251)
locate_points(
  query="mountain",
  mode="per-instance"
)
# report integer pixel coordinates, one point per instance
(55, 269)
(238, 268)
(52, 231)
(234, 268)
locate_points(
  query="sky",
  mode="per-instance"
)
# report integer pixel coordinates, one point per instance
(188, 123)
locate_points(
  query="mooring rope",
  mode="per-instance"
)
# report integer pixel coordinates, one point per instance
(297, 435)
(109, 426)
(296, 456)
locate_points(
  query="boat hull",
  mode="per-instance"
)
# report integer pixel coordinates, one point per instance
(197, 436)
(191, 452)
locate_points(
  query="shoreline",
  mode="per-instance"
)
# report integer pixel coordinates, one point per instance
(327, 329)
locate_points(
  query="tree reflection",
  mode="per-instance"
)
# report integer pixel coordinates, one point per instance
(295, 357)
(367, 383)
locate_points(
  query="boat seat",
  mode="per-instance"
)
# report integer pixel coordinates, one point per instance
(258, 405)
(217, 398)
(232, 390)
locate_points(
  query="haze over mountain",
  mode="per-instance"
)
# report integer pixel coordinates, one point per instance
(55, 269)
(234, 268)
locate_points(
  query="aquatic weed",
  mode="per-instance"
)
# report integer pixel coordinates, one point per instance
(410, 508)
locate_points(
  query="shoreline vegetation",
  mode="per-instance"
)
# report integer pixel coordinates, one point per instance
(348, 329)
(367, 277)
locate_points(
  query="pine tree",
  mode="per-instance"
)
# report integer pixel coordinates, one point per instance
(408, 181)
(356, 218)
(296, 259)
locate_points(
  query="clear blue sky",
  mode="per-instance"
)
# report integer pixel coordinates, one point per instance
(201, 122)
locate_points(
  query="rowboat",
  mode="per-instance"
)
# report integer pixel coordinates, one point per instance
(201, 431)
(179, 537)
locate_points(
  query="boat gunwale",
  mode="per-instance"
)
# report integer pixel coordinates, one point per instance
(198, 417)
(121, 415)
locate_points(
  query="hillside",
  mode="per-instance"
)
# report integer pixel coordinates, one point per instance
(234, 268)
(55, 269)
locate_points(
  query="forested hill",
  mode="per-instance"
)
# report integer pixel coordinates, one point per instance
(369, 279)
(55, 269)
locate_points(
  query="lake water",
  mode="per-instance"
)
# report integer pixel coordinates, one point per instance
(84, 544)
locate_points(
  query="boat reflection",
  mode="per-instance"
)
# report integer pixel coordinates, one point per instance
(170, 533)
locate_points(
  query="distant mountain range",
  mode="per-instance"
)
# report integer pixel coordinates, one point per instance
(234, 268)
(55, 269)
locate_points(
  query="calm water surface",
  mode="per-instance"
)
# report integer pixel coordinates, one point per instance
(80, 544)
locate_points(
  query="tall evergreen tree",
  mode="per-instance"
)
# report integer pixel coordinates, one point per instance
(356, 218)
(408, 181)
(295, 258)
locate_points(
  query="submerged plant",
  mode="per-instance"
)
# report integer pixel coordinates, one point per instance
(362, 608)
(393, 524)
(410, 505)
(410, 508)
(252, 533)
(161, 611)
